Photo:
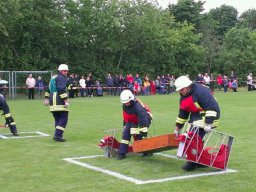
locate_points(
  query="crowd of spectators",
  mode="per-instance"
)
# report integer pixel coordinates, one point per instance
(88, 86)
(162, 84)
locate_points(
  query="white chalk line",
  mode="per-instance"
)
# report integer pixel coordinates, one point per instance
(10, 136)
(75, 160)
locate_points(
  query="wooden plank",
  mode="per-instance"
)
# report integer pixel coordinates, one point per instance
(154, 144)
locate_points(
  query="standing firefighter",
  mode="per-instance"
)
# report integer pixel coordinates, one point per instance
(137, 119)
(197, 106)
(57, 98)
(7, 115)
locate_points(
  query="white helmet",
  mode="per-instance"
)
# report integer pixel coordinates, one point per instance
(126, 96)
(63, 67)
(182, 82)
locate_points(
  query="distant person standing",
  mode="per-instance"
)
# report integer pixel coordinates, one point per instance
(250, 82)
(31, 82)
(57, 98)
(40, 86)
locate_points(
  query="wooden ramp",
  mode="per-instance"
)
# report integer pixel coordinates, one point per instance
(156, 144)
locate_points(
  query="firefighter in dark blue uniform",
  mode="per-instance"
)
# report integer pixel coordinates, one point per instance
(9, 121)
(197, 106)
(57, 98)
(137, 119)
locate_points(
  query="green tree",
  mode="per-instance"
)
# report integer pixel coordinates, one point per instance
(238, 52)
(248, 19)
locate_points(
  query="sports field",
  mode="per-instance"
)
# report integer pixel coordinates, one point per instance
(37, 164)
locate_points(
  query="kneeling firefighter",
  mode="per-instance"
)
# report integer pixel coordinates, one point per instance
(198, 107)
(7, 115)
(137, 119)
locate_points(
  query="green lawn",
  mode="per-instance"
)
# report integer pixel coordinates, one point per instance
(36, 164)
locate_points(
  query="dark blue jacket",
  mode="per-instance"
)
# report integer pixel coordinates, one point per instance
(198, 105)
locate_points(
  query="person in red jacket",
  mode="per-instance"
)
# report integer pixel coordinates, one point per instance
(197, 106)
(219, 81)
(136, 120)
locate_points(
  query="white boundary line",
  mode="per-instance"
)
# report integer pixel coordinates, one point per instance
(9, 135)
(75, 160)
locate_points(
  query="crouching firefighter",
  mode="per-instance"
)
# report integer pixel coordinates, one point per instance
(9, 121)
(136, 120)
(57, 98)
(197, 106)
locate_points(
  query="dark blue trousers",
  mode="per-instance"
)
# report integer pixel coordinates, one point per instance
(61, 120)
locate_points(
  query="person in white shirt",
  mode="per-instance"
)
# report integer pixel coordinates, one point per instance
(31, 82)
(250, 82)
(82, 86)
(207, 79)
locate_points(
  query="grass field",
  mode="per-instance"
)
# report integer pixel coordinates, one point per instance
(36, 164)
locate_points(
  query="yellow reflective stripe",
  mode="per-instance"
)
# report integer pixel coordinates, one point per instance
(54, 102)
(216, 123)
(144, 129)
(46, 94)
(150, 114)
(7, 115)
(210, 113)
(63, 95)
(180, 120)
(134, 131)
(58, 108)
(60, 128)
(12, 123)
(124, 141)
(197, 105)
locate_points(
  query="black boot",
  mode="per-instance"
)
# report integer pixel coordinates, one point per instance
(147, 154)
(59, 139)
(13, 130)
(189, 166)
(121, 156)
(15, 134)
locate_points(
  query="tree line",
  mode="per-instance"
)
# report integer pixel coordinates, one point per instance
(126, 36)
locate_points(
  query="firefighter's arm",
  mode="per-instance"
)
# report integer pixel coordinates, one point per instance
(180, 122)
(46, 96)
(142, 115)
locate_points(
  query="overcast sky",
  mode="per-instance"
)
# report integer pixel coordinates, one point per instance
(240, 5)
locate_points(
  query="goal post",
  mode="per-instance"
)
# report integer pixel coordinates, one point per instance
(18, 80)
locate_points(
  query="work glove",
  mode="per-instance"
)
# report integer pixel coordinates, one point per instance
(208, 128)
(8, 121)
(66, 103)
(177, 132)
(46, 102)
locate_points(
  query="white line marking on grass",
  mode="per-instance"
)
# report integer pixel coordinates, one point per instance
(75, 160)
(10, 136)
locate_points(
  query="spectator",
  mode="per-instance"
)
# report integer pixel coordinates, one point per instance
(219, 81)
(109, 83)
(82, 86)
(99, 91)
(225, 83)
(234, 85)
(40, 85)
(31, 82)
(250, 82)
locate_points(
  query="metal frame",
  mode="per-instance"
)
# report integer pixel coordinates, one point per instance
(14, 79)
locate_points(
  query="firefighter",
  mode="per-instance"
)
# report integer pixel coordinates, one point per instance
(136, 120)
(9, 121)
(57, 98)
(197, 106)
